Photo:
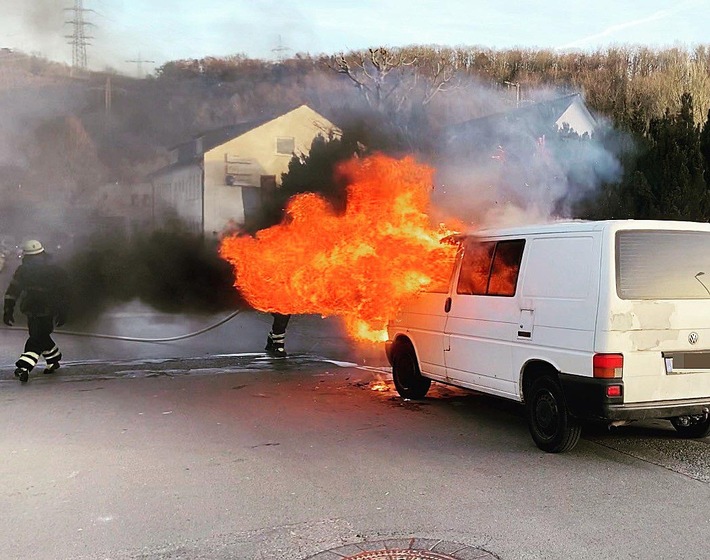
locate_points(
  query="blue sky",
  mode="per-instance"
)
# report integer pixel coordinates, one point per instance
(164, 30)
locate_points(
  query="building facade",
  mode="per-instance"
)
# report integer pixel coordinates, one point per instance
(222, 176)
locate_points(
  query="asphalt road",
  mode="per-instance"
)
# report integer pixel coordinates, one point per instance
(147, 451)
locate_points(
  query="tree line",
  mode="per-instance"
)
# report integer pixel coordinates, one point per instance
(655, 106)
(666, 170)
(396, 100)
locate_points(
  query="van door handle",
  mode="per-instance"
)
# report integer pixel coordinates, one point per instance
(447, 305)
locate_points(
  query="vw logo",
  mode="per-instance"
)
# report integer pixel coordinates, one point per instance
(693, 337)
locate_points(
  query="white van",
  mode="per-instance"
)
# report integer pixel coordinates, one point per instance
(581, 321)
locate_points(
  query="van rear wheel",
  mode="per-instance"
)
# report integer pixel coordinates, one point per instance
(551, 427)
(692, 427)
(408, 380)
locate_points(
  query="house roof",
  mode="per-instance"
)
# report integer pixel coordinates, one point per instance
(535, 119)
(217, 136)
(189, 153)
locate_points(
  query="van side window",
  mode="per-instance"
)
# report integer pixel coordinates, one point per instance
(490, 268)
(506, 266)
(475, 267)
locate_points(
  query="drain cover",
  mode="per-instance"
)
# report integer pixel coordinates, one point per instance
(405, 549)
(400, 555)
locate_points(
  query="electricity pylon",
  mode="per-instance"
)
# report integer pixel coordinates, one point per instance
(139, 65)
(79, 38)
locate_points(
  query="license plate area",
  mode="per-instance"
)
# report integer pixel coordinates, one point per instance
(686, 362)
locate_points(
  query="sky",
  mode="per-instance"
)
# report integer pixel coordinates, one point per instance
(138, 36)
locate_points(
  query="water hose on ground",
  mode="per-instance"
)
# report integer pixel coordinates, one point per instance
(135, 339)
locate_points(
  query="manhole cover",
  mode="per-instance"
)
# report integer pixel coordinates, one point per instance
(405, 549)
(400, 555)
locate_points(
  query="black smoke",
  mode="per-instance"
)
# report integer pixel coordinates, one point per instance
(172, 271)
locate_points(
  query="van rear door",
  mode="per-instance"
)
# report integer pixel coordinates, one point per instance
(659, 314)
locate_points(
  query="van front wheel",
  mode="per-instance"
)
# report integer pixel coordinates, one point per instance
(551, 426)
(408, 380)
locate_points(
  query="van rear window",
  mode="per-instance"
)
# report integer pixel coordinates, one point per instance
(663, 264)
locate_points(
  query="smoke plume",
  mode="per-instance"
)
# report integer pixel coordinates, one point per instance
(518, 167)
(172, 271)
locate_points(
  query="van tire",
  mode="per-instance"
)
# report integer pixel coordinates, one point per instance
(408, 379)
(692, 431)
(551, 427)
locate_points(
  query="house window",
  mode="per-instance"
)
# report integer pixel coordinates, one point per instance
(267, 182)
(285, 145)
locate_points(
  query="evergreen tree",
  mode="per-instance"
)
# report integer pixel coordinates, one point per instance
(705, 149)
(673, 169)
(315, 173)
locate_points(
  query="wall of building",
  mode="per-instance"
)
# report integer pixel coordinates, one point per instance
(178, 194)
(248, 161)
(130, 205)
(578, 118)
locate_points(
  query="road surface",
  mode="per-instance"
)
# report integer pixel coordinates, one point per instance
(193, 451)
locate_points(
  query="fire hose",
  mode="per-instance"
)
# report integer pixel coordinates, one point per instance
(136, 339)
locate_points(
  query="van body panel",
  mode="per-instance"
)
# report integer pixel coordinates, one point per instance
(481, 330)
(583, 288)
(559, 287)
(649, 260)
(423, 322)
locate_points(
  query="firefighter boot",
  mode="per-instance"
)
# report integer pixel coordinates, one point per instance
(275, 345)
(51, 367)
(23, 374)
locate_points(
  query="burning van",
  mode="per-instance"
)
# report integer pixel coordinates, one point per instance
(580, 321)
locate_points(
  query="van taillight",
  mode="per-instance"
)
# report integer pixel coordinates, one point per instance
(608, 366)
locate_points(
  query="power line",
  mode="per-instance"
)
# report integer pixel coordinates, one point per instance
(79, 38)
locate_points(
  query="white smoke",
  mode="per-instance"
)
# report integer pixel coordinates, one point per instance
(508, 169)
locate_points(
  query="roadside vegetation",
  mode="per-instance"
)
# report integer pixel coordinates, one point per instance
(64, 135)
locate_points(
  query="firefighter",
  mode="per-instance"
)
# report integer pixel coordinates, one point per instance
(275, 342)
(42, 290)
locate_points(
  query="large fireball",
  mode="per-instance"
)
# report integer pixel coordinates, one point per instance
(359, 265)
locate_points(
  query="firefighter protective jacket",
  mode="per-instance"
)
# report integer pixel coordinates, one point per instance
(41, 288)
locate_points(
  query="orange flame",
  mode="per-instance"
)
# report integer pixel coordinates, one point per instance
(359, 265)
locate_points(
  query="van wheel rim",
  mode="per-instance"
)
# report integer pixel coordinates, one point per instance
(547, 415)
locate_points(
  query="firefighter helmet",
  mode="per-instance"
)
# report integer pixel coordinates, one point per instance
(32, 247)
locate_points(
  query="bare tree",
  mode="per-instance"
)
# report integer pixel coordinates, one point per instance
(394, 79)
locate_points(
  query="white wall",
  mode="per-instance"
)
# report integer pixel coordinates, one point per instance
(578, 118)
(178, 192)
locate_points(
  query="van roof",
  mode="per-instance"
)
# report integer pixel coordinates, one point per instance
(589, 225)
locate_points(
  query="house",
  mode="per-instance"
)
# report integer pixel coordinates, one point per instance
(530, 122)
(221, 176)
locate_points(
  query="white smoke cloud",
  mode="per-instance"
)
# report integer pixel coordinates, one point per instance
(507, 170)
